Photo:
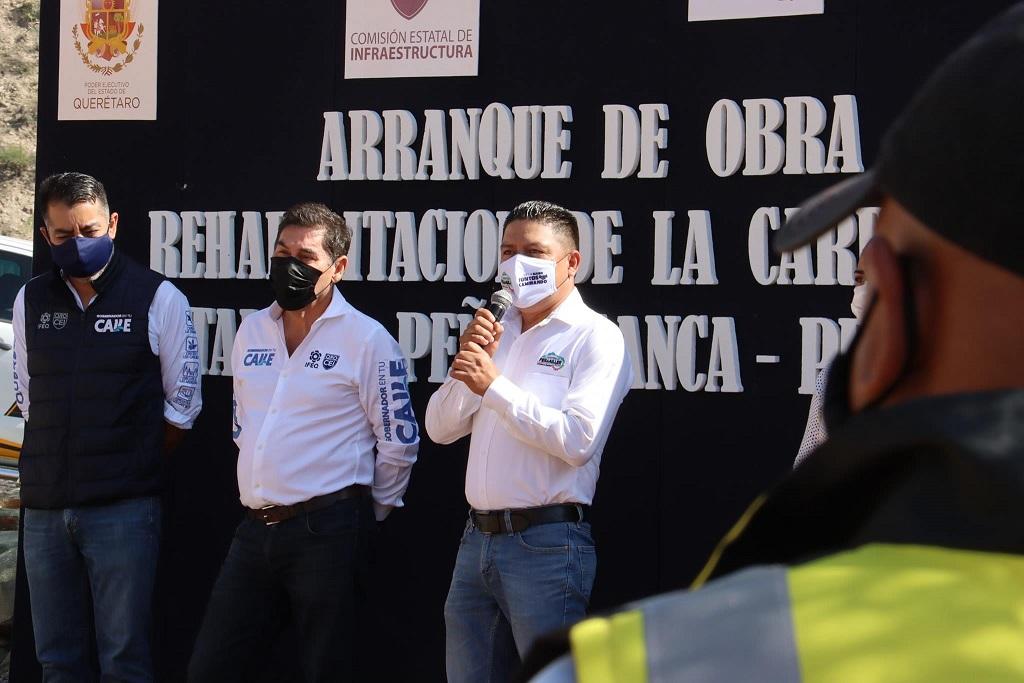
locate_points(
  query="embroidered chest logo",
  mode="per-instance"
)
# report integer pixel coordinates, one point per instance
(44, 322)
(60, 320)
(258, 358)
(115, 322)
(314, 359)
(330, 360)
(551, 360)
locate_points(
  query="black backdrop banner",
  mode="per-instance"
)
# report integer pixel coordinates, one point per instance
(680, 144)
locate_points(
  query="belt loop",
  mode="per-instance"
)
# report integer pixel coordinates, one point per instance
(579, 512)
(508, 521)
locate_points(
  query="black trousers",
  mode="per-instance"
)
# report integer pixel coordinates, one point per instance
(309, 571)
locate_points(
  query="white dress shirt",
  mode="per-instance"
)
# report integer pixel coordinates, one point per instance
(170, 325)
(308, 424)
(815, 432)
(539, 429)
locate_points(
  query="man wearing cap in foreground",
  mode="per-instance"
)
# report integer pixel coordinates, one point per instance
(896, 552)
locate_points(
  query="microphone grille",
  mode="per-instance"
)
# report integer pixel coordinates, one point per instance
(501, 298)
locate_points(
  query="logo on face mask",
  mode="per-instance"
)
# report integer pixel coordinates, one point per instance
(113, 323)
(529, 280)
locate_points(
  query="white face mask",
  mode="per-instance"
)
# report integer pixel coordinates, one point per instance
(529, 280)
(861, 299)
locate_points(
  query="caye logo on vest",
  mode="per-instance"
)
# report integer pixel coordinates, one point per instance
(113, 322)
(60, 320)
(551, 360)
(258, 358)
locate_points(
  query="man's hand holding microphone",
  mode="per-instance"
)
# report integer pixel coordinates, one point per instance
(473, 364)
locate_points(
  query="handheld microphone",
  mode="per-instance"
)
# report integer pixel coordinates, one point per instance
(501, 301)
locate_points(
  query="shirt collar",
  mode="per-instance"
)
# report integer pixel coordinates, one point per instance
(570, 311)
(338, 307)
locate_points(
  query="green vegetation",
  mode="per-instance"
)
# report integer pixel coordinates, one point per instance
(14, 161)
(25, 14)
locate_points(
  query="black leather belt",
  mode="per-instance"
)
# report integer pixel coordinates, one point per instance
(520, 519)
(272, 514)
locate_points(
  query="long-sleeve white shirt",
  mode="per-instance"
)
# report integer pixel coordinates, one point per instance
(170, 325)
(336, 412)
(540, 428)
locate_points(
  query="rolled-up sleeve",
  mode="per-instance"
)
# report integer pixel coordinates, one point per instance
(172, 334)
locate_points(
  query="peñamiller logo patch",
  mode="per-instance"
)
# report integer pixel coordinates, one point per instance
(407, 38)
(711, 10)
(551, 360)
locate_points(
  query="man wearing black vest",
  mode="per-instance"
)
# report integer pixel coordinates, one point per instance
(106, 363)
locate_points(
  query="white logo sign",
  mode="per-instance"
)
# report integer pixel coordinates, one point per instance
(107, 60)
(708, 10)
(403, 38)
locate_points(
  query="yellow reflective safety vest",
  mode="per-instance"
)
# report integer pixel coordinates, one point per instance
(894, 555)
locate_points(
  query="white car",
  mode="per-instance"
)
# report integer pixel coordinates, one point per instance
(15, 271)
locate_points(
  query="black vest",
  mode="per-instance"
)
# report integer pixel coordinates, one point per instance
(95, 429)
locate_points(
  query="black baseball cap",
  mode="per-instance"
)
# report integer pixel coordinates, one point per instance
(954, 158)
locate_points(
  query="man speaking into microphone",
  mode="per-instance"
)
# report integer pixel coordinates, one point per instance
(538, 392)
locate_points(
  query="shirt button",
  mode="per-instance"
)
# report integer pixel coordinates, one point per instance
(273, 411)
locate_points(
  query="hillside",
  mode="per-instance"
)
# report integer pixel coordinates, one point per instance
(19, 81)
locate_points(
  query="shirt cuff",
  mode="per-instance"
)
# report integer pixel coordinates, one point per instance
(501, 395)
(179, 420)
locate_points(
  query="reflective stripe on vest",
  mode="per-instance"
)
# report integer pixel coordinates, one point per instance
(610, 650)
(877, 614)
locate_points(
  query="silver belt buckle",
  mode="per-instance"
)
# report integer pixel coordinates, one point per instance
(263, 518)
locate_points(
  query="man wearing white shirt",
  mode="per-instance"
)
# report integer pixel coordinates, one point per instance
(106, 375)
(326, 441)
(538, 393)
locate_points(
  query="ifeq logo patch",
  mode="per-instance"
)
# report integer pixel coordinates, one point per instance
(551, 360)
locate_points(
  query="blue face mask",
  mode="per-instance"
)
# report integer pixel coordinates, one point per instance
(82, 256)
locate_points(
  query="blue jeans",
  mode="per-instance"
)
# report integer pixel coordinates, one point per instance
(509, 589)
(90, 571)
(308, 570)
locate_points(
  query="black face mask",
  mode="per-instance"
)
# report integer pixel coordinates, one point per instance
(293, 281)
(836, 408)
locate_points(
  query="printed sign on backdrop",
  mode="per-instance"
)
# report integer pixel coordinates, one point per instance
(107, 60)
(709, 10)
(402, 38)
